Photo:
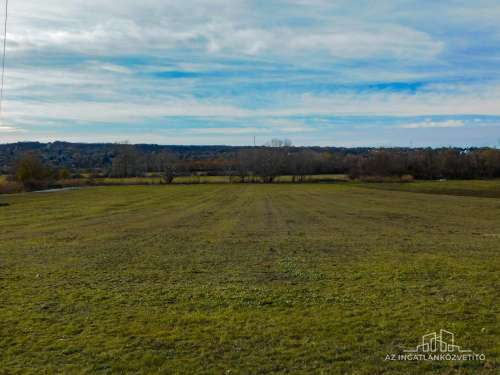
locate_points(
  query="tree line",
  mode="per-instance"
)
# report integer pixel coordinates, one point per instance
(425, 164)
(277, 158)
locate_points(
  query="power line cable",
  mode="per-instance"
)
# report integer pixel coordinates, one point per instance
(3, 58)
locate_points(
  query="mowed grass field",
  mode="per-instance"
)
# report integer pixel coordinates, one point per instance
(191, 180)
(245, 279)
(473, 188)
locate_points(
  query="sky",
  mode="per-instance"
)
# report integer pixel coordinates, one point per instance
(328, 73)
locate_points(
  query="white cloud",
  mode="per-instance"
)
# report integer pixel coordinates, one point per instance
(129, 110)
(10, 129)
(434, 124)
(124, 112)
(228, 131)
(382, 40)
(476, 100)
(219, 27)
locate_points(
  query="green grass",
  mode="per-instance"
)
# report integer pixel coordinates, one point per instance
(474, 188)
(245, 279)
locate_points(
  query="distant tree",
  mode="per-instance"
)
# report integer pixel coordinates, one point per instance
(245, 163)
(63, 174)
(270, 161)
(301, 164)
(166, 164)
(128, 162)
(277, 143)
(489, 163)
(31, 172)
(354, 165)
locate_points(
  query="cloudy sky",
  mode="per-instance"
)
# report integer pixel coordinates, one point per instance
(320, 72)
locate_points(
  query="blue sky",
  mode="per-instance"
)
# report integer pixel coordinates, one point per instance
(338, 72)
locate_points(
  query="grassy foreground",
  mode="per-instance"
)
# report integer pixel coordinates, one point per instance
(250, 279)
(472, 188)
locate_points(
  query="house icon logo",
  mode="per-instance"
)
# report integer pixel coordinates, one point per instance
(437, 347)
(444, 342)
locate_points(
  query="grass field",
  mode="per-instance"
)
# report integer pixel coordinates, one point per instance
(473, 188)
(12, 187)
(245, 279)
(196, 180)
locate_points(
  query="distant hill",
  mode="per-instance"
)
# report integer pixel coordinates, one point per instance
(100, 155)
(97, 155)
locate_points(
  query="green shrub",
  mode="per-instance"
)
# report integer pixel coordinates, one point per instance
(32, 173)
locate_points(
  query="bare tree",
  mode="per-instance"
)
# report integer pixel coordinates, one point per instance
(166, 164)
(270, 161)
(246, 163)
(301, 164)
(278, 143)
(128, 162)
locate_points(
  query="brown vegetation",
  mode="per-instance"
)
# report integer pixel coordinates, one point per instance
(264, 164)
